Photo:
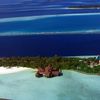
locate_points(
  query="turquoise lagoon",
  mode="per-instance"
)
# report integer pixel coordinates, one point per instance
(71, 86)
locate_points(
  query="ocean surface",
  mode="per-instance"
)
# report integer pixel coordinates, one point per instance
(63, 23)
(47, 28)
(17, 8)
(48, 35)
(71, 86)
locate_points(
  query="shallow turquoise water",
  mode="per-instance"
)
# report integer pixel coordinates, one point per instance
(71, 86)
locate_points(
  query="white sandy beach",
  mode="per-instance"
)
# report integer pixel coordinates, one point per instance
(8, 70)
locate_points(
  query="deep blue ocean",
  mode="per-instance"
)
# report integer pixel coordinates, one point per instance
(47, 24)
(50, 45)
(17, 8)
(63, 35)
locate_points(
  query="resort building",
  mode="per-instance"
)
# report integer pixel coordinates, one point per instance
(98, 60)
(48, 71)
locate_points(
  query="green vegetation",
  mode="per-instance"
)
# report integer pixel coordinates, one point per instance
(79, 64)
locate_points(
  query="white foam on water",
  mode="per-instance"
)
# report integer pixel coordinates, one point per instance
(2, 20)
(16, 33)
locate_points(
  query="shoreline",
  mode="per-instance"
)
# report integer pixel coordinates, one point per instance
(15, 69)
(4, 70)
(82, 72)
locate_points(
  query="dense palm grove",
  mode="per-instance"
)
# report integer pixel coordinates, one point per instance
(79, 64)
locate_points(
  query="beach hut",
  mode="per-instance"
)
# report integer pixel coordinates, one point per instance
(48, 71)
(98, 59)
(56, 72)
(40, 72)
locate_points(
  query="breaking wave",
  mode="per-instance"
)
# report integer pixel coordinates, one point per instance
(2, 20)
(50, 33)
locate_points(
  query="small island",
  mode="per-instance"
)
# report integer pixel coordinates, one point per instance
(46, 77)
(86, 65)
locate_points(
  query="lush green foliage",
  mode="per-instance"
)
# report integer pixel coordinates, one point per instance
(79, 64)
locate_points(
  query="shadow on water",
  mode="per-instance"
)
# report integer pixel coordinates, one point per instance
(4, 99)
